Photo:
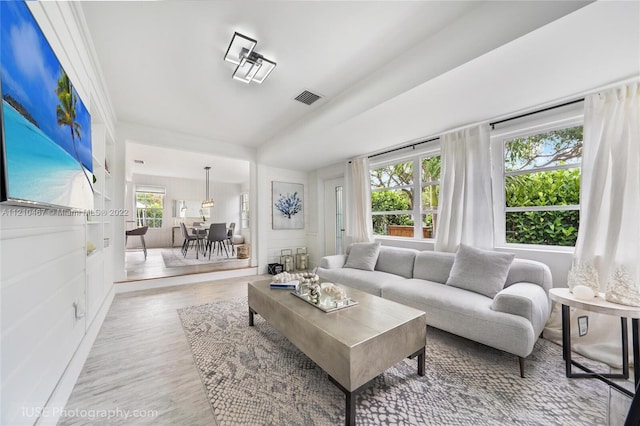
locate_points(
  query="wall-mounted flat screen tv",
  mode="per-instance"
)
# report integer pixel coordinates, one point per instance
(46, 129)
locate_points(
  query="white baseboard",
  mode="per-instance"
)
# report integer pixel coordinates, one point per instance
(125, 287)
(58, 399)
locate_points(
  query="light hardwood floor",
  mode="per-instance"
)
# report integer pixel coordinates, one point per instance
(139, 268)
(141, 359)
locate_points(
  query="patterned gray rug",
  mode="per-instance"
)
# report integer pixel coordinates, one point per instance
(254, 376)
(173, 257)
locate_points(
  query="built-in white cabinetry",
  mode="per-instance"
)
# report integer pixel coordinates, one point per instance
(99, 223)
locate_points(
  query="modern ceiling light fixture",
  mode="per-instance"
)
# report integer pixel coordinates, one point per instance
(208, 202)
(251, 66)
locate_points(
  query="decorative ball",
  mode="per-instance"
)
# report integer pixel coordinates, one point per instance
(582, 292)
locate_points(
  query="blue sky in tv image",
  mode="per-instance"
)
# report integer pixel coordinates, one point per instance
(42, 163)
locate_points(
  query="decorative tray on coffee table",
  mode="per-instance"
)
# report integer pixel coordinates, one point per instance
(327, 303)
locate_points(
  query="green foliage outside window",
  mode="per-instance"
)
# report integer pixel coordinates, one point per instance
(400, 177)
(149, 209)
(382, 201)
(542, 187)
(551, 227)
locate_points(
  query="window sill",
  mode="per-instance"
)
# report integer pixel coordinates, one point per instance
(536, 247)
(395, 238)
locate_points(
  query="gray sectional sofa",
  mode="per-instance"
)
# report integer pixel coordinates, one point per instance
(509, 317)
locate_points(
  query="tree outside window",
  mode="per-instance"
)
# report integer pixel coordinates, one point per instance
(430, 177)
(149, 209)
(393, 197)
(542, 187)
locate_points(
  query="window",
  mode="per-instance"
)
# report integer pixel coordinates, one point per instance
(392, 199)
(244, 210)
(430, 176)
(149, 206)
(401, 192)
(542, 187)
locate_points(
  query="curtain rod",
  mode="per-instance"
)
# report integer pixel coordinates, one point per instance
(535, 112)
(413, 145)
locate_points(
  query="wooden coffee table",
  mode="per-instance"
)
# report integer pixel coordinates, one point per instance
(352, 345)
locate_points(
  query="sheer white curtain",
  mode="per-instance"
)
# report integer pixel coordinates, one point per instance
(358, 223)
(608, 248)
(465, 212)
(609, 234)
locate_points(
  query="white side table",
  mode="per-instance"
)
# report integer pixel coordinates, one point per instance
(601, 306)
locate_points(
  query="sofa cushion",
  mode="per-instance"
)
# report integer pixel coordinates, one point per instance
(465, 313)
(433, 266)
(481, 271)
(363, 256)
(395, 260)
(370, 282)
(335, 261)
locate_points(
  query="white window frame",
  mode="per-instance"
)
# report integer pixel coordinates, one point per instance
(562, 119)
(431, 149)
(432, 211)
(244, 212)
(153, 190)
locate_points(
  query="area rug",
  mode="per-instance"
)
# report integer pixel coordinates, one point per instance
(173, 258)
(254, 376)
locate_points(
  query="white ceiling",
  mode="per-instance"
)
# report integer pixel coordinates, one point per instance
(390, 71)
(160, 161)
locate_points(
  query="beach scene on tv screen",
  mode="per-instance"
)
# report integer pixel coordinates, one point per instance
(47, 128)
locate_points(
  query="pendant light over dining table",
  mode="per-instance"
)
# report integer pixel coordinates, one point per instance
(208, 202)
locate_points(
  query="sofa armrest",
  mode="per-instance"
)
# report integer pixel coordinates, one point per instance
(527, 300)
(333, 262)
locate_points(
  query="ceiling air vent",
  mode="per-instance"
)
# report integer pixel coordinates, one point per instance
(307, 97)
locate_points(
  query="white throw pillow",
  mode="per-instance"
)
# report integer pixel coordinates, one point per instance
(481, 271)
(363, 256)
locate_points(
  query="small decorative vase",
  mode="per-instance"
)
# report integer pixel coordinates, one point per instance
(622, 289)
(584, 274)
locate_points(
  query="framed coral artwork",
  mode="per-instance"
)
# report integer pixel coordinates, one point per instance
(287, 201)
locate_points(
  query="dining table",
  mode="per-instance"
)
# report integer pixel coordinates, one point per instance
(200, 231)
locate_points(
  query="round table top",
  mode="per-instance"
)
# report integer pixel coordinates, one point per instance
(597, 304)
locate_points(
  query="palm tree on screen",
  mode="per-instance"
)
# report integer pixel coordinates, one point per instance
(66, 113)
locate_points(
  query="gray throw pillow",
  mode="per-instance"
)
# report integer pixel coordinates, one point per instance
(363, 256)
(481, 271)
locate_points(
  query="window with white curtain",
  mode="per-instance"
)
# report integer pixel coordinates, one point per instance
(402, 189)
(537, 192)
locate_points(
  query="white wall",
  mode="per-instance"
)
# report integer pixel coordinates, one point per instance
(272, 241)
(226, 209)
(43, 274)
(316, 231)
(43, 261)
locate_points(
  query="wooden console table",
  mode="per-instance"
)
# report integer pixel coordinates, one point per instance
(173, 235)
(601, 306)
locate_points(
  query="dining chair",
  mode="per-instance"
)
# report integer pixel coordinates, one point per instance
(187, 239)
(231, 230)
(217, 238)
(139, 232)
